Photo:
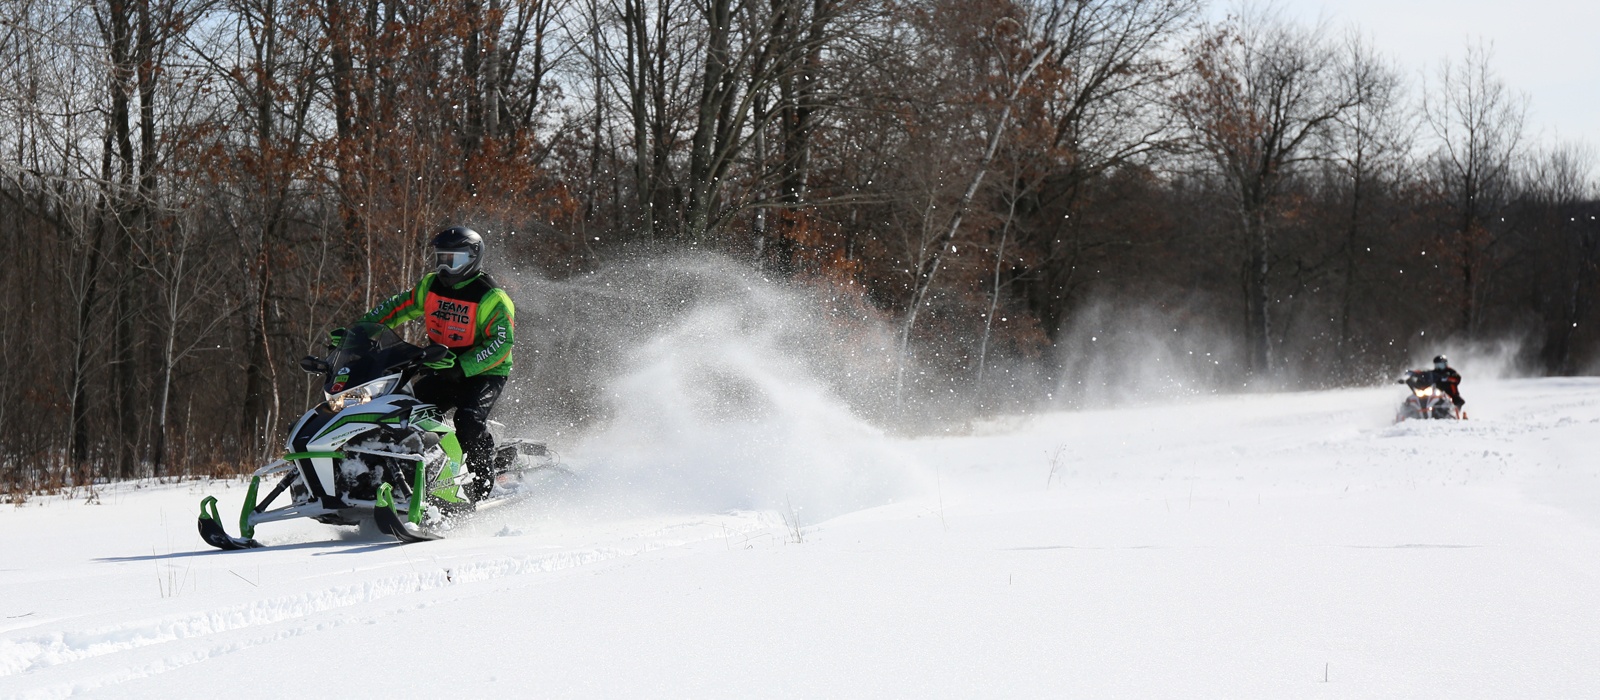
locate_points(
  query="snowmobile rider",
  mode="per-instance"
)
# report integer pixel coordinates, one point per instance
(465, 310)
(1446, 379)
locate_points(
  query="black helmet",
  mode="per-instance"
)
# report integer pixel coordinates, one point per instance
(1441, 362)
(457, 254)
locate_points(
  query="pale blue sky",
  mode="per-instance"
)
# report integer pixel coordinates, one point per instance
(1549, 49)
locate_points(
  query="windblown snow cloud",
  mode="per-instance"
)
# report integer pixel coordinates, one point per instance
(694, 384)
(1116, 353)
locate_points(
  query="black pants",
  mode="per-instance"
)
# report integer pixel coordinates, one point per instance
(472, 398)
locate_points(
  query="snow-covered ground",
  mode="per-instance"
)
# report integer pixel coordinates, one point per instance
(1278, 546)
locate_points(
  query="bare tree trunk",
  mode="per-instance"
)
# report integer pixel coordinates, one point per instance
(715, 95)
(338, 26)
(169, 341)
(124, 206)
(78, 382)
(994, 293)
(598, 66)
(665, 206)
(1260, 293)
(759, 228)
(471, 69)
(798, 89)
(1352, 244)
(146, 205)
(491, 72)
(1469, 263)
(637, 73)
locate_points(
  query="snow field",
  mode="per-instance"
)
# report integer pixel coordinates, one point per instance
(1248, 546)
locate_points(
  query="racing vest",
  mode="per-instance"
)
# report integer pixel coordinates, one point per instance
(451, 315)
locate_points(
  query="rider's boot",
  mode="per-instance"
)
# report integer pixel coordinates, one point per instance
(480, 458)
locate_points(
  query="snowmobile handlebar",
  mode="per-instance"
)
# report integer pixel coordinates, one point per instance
(317, 365)
(433, 352)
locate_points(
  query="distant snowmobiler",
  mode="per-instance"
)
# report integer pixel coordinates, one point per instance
(1435, 393)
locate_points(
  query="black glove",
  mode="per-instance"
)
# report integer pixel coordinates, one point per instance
(335, 337)
(446, 368)
(445, 362)
(1459, 401)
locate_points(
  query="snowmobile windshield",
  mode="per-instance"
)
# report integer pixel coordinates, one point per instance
(369, 351)
(1419, 380)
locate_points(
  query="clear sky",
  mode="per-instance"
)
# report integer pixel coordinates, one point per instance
(1549, 49)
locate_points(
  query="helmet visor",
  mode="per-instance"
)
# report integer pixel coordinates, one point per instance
(452, 262)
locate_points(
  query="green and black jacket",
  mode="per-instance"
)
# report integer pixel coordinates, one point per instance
(475, 319)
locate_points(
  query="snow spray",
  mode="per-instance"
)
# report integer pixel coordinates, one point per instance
(690, 383)
(1118, 354)
(1485, 360)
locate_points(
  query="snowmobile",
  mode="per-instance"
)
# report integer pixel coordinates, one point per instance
(1426, 400)
(371, 451)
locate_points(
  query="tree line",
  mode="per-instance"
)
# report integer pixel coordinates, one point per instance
(193, 191)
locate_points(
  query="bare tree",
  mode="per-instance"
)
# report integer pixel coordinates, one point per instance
(1018, 62)
(1477, 124)
(1260, 95)
(1105, 108)
(1369, 143)
(1559, 186)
